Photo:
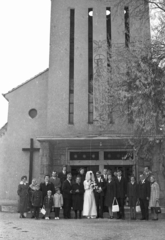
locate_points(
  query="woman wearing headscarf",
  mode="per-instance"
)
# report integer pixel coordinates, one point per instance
(89, 206)
(32, 188)
(154, 197)
(23, 195)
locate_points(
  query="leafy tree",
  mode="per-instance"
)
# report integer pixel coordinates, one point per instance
(133, 88)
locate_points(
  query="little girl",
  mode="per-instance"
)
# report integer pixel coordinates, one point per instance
(48, 204)
(58, 202)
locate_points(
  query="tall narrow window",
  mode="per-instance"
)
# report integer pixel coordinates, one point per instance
(127, 26)
(108, 24)
(90, 65)
(71, 68)
(108, 29)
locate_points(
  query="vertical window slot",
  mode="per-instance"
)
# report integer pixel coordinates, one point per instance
(71, 67)
(90, 65)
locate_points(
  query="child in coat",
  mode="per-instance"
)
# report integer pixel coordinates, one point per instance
(36, 200)
(58, 202)
(48, 204)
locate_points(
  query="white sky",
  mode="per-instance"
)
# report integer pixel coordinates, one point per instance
(24, 44)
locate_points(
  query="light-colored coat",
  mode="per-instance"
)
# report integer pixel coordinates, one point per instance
(154, 194)
(58, 200)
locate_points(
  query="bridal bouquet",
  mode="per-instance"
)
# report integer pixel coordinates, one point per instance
(93, 185)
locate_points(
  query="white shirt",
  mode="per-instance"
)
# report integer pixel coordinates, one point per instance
(99, 179)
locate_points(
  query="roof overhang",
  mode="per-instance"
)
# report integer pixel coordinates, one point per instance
(89, 142)
(40, 139)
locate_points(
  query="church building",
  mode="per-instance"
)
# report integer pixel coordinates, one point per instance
(51, 117)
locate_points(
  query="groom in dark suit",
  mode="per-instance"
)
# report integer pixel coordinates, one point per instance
(67, 195)
(121, 191)
(144, 191)
(99, 194)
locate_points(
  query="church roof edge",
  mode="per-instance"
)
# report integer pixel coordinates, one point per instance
(3, 129)
(20, 85)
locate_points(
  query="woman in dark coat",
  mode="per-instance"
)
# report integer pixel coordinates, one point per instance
(132, 195)
(78, 196)
(23, 194)
(110, 194)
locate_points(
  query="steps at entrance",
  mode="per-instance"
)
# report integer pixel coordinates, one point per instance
(8, 206)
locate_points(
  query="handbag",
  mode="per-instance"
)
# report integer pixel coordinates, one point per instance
(157, 208)
(115, 207)
(138, 209)
(43, 211)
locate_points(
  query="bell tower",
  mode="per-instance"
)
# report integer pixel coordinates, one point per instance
(80, 30)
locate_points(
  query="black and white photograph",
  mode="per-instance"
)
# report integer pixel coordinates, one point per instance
(82, 123)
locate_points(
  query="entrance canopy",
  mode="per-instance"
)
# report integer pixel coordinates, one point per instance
(90, 142)
(87, 151)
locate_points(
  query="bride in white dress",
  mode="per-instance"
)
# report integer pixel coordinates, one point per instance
(89, 206)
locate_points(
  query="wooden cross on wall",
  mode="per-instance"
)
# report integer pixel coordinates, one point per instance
(31, 150)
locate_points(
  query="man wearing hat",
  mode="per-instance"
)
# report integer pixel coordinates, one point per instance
(99, 194)
(121, 190)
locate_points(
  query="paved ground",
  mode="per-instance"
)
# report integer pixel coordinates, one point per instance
(14, 228)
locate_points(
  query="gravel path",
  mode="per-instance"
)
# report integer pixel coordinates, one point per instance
(13, 228)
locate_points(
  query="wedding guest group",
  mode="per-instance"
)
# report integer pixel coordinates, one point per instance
(89, 194)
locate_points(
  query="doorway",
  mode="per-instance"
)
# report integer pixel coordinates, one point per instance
(127, 171)
(75, 169)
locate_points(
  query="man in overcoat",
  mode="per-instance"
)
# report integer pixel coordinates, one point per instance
(67, 195)
(46, 186)
(147, 173)
(55, 180)
(62, 175)
(121, 191)
(144, 196)
(99, 194)
(78, 196)
(105, 175)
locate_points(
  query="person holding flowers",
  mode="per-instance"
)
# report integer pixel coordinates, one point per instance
(89, 205)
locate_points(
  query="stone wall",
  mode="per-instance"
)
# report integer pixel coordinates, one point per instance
(52, 158)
